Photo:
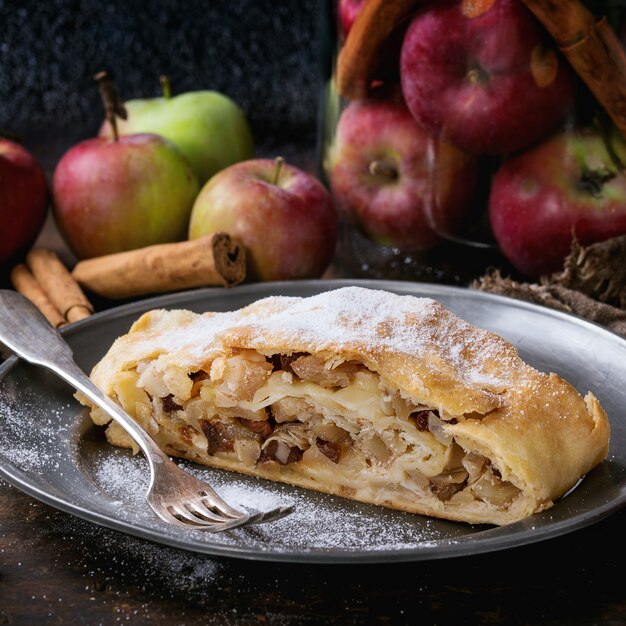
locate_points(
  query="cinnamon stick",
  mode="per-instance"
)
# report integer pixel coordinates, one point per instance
(358, 59)
(58, 284)
(592, 48)
(24, 282)
(212, 260)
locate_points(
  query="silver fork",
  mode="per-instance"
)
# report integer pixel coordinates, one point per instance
(174, 495)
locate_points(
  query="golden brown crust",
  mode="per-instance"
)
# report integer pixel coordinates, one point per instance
(534, 429)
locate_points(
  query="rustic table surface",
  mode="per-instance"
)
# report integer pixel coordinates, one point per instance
(55, 568)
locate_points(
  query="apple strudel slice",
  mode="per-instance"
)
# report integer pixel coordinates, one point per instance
(386, 399)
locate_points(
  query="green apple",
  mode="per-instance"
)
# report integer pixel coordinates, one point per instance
(208, 127)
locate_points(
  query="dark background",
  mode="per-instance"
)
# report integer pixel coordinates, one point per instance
(55, 568)
(264, 54)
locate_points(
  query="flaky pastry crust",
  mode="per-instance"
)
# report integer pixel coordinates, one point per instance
(386, 399)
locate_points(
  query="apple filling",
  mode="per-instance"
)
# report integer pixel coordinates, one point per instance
(334, 422)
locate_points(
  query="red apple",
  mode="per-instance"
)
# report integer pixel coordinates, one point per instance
(348, 10)
(480, 74)
(110, 196)
(393, 180)
(283, 215)
(570, 185)
(23, 200)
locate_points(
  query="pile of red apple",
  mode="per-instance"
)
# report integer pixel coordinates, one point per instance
(164, 170)
(477, 77)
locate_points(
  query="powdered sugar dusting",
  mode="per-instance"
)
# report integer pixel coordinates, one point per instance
(348, 315)
(319, 521)
(378, 320)
(357, 318)
(40, 451)
(191, 337)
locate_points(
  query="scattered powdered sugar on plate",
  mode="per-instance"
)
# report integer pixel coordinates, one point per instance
(321, 521)
(122, 478)
(31, 444)
(318, 522)
(57, 449)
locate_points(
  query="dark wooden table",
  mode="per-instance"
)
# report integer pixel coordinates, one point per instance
(58, 569)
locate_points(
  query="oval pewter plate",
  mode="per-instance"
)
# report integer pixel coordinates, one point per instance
(50, 449)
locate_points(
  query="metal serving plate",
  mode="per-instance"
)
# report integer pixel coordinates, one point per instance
(50, 450)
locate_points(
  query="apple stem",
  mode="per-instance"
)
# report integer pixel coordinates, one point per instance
(166, 86)
(112, 102)
(380, 168)
(279, 161)
(477, 76)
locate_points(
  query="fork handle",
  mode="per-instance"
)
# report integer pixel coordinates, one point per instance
(28, 334)
(71, 373)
